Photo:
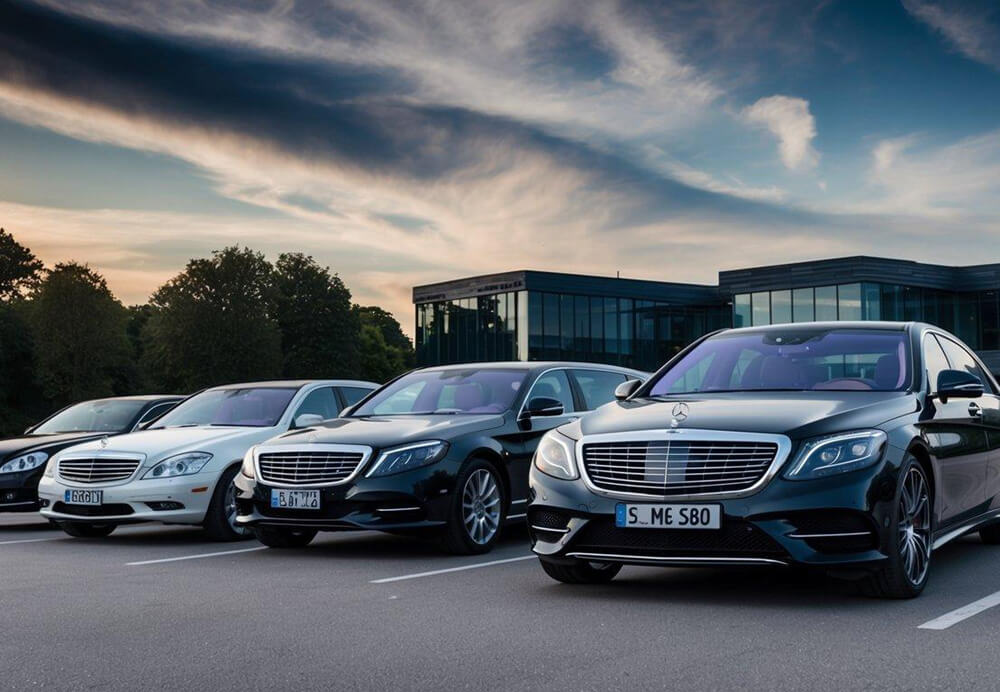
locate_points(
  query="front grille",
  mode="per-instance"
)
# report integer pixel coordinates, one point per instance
(547, 519)
(308, 468)
(99, 470)
(668, 468)
(736, 537)
(109, 510)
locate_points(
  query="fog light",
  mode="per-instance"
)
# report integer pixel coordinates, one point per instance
(9, 496)
(164, 506)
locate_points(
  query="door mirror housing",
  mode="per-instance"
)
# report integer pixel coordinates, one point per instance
(308, 420)
(627, 389)
(958, 384)
(540, 406)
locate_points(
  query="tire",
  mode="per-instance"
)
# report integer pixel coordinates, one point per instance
(284, 538)
(582, 572)
(478, 510)
(78, 529)
(990, 534)
(220, 520)
(905, 573)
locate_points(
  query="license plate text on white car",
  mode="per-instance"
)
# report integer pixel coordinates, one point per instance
(84, 497)
(668, 516)
(295, 499)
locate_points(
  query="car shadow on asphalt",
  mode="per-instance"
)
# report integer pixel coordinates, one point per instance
(28, 526)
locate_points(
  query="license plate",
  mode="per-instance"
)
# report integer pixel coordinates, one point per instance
(668, 516)
(84, 497)
(295, 499)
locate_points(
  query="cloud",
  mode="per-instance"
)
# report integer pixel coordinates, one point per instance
(969, 27)
(787, 118)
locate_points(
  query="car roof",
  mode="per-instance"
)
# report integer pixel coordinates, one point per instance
(533, 365)
(142, 397)
(293, 384)
(872, 325)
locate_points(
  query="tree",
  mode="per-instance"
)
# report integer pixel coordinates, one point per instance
(214, 323)
(319, 328)
(385, 350)
(20, 270)
(81, 347)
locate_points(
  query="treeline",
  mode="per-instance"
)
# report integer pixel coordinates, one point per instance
(230, 317)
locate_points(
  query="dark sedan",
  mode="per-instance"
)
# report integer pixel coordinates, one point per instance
(859, 448)
(23, 459)
(442, 451)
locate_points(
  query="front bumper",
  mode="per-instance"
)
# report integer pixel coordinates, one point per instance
(19, 491)
(134, 501)
(834, 522)
(411, 501)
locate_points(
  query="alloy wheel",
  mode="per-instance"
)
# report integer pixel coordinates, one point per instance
(229, 507)
(481, 506)
(915, 526)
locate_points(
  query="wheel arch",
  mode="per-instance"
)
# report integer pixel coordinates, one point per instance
(918, 450)
(495, 459)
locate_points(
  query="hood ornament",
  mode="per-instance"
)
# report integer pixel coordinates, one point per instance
(680, 414)
(104, 442)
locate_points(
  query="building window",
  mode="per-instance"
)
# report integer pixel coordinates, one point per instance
(761, 307)
(803, 309)
(826, 304)
(871, 304)
(849, 302)
(781, 307)
(741, 310)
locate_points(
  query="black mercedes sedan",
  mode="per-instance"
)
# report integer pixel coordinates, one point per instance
(441, 451)
(23, 459)
(858, 448)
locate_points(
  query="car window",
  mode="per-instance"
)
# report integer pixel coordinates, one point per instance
(961, 359)
(104, 415)
(934, 360)
(353, 395)
(555, 385)
(155, 412)
(597, 386)
(319, 402)
(452, 391)
(239, 406)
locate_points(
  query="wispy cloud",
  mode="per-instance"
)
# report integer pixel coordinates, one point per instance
(972, 28)
(789, 120)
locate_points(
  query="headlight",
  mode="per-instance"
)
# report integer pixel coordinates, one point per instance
(833, 454)
(180, 465)
(247, 468)
(408, 458)
(25, 462)
(555, 456)
(50, 468)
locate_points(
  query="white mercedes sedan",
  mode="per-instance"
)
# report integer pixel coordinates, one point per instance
(180, 469)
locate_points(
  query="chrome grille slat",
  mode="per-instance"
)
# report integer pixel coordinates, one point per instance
(306, 468)
(674, 468)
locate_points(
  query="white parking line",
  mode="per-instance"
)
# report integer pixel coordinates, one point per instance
(33, 540)
(451, 569)
(194, 557)
(963, 613)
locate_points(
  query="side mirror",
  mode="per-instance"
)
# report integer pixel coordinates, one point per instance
(307, 420)
(540, 406)
(958, 384)
(627, 389)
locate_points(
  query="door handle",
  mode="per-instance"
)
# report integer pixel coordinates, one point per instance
(975, 410)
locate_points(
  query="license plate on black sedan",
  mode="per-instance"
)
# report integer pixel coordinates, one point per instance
(84, 497)
(668, 516)
(294, 499)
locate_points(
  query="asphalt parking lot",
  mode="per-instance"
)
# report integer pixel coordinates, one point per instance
(155, 607)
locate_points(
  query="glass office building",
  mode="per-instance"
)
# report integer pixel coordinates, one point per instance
(547, 316)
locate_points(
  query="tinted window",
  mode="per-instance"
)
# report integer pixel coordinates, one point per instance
(961, 359)
(155, 412)
(92, 416)
(320, 402)
(554, 385)
(471, 390)
(597, 386)
(253, 407)
(793, 359)
(934, 360)
(353, 395)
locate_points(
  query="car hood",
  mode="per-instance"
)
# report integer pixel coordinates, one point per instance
(380, 432)
(164, 442)
(796, 414)
(15, 446)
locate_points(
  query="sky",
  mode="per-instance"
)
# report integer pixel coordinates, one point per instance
(403, 143)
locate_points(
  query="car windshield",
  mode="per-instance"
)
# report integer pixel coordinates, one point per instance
(257, 407)
(472, 390)
(791, 360)
(93, 416)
